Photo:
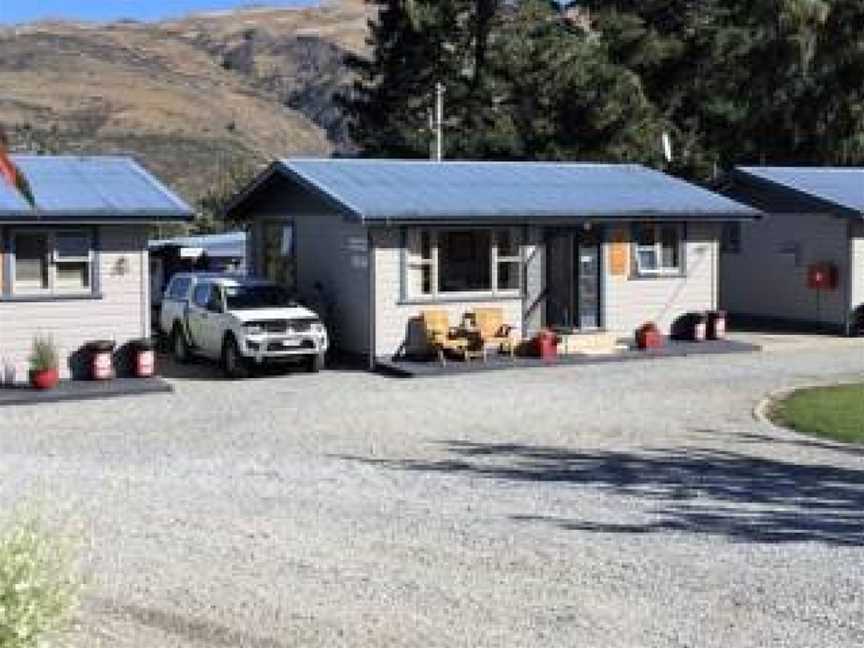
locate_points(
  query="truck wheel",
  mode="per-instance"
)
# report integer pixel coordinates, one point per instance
(233, 363)
(179, 345)
(315, 363)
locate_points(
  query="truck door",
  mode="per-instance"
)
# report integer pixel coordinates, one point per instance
(215, 324)
(197, 317)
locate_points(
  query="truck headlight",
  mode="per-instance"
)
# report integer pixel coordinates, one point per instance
(318, 327)
(253, 329)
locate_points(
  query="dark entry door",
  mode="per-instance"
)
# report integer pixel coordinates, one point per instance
(573, 272)
(587, 256)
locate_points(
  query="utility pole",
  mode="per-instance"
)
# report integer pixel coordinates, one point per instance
(439, 122)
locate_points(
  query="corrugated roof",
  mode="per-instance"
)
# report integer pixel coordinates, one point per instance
(10, 199)
(99, 187)
(399, 190)
(841, 187)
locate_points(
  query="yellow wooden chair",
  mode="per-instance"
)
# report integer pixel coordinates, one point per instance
(494, 333)
(442, 337)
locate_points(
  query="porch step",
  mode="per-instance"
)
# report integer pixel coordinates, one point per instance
(589, 343)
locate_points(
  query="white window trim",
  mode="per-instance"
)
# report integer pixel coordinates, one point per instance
(657, 249)
(52, 290)
(436, 294)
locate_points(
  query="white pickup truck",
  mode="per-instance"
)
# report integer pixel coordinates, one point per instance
(240, 322)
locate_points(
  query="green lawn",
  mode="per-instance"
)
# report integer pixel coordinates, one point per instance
(831, 412)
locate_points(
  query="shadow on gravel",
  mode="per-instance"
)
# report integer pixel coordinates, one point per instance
(190, 629)
(802, 442)
(696, 490)
(200, 370)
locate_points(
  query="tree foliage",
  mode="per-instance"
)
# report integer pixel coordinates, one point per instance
(732, 81)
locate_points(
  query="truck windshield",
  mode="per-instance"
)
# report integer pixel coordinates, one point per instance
(244, 297)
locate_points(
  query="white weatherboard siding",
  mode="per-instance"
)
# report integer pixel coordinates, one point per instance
(767, 279)
(122, 314)
(629, 302)
(857, 269)
(393, 319)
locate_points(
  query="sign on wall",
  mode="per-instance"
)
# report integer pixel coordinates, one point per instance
(619, 254)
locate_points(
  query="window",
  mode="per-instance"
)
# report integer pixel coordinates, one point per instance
(72, 261)
(658, 249)
(31, 263)
(52, 263)
(465, 261)
(249, 297)
(179, 288)
(420, 263)
(201, 295)
(508, 260)
(730, 241)
(214, 303)
(458, 261)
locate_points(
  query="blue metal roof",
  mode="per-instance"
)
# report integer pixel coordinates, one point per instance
(11, 200)
(406, 191)
(99, 187)
(840, 188)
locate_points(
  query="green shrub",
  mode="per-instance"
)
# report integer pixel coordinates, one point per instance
(38, 585)
(43, 354)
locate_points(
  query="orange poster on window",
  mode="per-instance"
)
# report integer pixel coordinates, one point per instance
(619, 254)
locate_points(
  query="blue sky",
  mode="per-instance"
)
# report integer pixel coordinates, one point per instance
(16, 11)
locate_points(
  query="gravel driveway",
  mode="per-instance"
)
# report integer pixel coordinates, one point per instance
(623, 505)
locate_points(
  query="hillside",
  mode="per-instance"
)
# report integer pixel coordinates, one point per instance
(190, 98)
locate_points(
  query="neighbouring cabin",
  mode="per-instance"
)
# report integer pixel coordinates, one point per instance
(225, 252)
(576, 247)
(803, 266)
(75, 266)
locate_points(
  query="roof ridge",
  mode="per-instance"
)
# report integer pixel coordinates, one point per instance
(533, 163)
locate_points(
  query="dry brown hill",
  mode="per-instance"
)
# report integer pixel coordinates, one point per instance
(189, 97)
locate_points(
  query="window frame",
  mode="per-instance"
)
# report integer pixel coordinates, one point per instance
(10, 292)
(661, 271)
(417, 263)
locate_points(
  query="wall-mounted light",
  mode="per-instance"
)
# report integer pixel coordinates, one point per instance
(121, 266)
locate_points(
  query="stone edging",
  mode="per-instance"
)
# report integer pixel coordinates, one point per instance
(760, 412)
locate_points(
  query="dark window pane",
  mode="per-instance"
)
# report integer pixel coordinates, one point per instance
(247, 297)
(72, 246)
(200, 295)
(426, 246)
(669, 241)
(179, 289)
(427, 280)
(507, 244)
(464, 260)
(645, 236)
(508, 276)
(31, 262)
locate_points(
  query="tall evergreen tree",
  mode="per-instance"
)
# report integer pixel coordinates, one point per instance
(733, 81)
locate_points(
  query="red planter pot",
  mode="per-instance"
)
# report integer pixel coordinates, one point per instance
(649, 339)
(46, 379)
(546, 345)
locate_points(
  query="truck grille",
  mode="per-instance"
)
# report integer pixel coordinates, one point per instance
(301, 325)
(275, 326)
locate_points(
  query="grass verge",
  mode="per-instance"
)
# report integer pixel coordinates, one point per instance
(39, 584)
(831, 412)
